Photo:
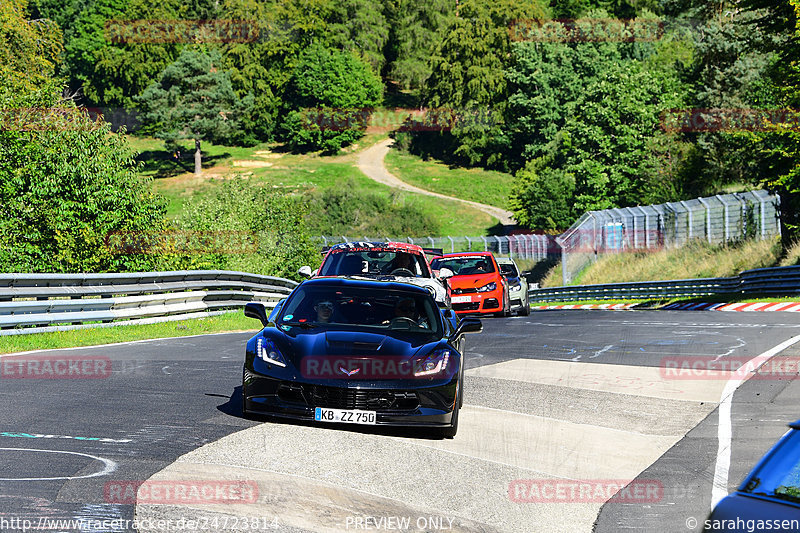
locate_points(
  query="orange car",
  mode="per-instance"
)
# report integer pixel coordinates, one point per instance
(477, 284)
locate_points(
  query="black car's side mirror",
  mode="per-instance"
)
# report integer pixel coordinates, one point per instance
(467, 325)
(256, 310)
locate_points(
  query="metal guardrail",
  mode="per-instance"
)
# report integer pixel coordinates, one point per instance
(717, 219)
(32, 303)
(774, 281)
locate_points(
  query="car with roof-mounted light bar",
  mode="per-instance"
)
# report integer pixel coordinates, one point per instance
(387, 261)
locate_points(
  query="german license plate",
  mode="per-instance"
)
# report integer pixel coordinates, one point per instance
(345, 416)
(460, 299)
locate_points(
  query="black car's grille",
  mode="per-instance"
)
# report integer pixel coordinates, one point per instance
(343, 398)
(469, 306)
(464, 291)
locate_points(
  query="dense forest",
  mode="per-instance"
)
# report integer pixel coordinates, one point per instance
(590, 104)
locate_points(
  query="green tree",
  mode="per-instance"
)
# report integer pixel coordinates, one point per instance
(360, 27)
(193, 99)
(328, 94)
(273, 224)
(542, 197)
(777, 150)
(29, 49)
(416, 30)
(67, 185)
(468, 74)
(588, 115)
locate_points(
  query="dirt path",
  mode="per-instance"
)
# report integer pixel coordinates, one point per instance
(370, 162)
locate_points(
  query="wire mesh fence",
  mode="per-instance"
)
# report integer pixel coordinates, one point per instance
(523, 246)
(717, 219)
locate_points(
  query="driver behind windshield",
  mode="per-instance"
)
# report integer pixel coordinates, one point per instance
(406, 310)
(401, 261)
(324, 310)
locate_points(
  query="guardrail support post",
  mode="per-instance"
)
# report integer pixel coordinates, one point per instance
(452, 245)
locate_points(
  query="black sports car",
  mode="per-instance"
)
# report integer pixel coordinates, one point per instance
(357, 351)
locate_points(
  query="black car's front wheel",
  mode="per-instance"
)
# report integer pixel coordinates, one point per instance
(450, 432)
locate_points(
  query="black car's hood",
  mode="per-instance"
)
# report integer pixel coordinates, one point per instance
(354, 343)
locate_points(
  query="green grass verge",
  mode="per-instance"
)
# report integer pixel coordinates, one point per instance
(476, 184)
(233, 321)
(269, 166)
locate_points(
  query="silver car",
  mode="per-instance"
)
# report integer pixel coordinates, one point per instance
(517, 286)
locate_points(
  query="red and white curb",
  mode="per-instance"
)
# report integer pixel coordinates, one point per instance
(584, 306)
(741, 306)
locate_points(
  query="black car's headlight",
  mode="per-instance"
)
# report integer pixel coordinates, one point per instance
(433, 363)
(488, 287)
(269, 353)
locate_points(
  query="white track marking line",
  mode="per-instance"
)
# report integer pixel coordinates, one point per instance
(724, 430)
(127, 342)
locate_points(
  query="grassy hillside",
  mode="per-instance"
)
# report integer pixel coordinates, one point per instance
(269, 166)
(476, 184)
(696, 260)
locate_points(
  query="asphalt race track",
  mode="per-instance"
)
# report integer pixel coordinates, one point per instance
(561, 408)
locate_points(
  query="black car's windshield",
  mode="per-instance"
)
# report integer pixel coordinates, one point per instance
(508, 269)
(320, 305)
(779, 476)
(474, 264)
(374, 262)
